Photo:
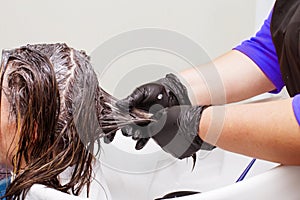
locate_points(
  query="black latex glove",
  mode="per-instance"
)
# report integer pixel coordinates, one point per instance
(176, 130)
(109, 134)
(152, 97)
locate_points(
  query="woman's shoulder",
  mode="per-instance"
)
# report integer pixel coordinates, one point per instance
(98, 188)
(41, 192)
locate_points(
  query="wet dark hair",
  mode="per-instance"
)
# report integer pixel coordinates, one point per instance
(60, 112)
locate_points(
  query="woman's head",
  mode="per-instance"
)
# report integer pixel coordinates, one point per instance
(49, 95)
(53, 111)
(7, 134)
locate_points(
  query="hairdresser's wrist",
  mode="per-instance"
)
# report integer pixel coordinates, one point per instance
(187, 84)
(197, 88)
(205, 124)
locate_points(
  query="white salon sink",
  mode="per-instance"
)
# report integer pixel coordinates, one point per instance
(152, 173)
(276, 184)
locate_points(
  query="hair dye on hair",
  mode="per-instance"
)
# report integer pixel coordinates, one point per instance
(60, 113)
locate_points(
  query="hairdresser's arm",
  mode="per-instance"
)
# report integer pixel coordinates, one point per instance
(241, 79)
(262, 130)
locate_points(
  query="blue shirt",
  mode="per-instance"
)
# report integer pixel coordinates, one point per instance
(3, 185)
(261, 50)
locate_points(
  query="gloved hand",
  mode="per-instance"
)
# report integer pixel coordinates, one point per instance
(176, 130)
(152, 97)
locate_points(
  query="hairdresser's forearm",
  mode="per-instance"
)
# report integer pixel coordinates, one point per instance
(240, 77)
(263, 130)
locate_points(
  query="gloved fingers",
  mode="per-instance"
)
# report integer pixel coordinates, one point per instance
(132, 100)
(144, 97)
(156, 127)
(109, 137)
(131, 131)
(134, 131)
(141, 143)
(127, 131)
(137, 134)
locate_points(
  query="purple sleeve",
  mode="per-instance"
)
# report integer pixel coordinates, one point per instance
(261, 50)
(296, 107)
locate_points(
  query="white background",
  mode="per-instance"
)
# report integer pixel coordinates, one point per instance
(217, 25)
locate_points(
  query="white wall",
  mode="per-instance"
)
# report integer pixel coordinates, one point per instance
(263, 7)
(216, 24)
